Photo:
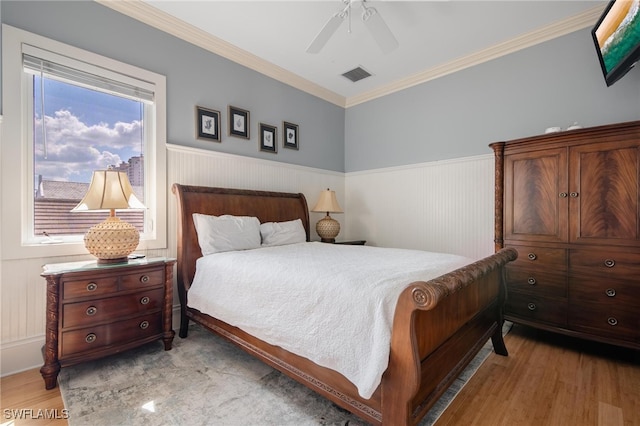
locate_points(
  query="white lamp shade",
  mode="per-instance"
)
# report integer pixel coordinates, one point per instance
(327, 202)
(109, 189)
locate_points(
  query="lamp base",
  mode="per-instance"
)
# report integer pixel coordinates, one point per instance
(112, 261)
(328, 229)
(112, 240)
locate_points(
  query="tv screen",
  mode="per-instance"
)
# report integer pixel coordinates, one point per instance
(617, 38)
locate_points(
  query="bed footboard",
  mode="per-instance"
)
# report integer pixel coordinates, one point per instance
(436, 335)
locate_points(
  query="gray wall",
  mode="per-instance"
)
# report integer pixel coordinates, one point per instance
(194, 77)
(554, 83)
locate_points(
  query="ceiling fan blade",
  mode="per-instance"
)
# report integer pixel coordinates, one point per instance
(379, 29)
(326, 32)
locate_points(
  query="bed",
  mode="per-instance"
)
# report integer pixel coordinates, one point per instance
(437, 326)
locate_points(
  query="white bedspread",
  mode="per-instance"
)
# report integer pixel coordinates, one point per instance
(333, 304)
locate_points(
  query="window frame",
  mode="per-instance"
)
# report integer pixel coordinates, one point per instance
(16, 152)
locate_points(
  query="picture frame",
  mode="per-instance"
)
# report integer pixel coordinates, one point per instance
(238, 122)
(268, 138)
(290, 135)
(207, 124)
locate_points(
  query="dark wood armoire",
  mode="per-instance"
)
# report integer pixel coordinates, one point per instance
(569, 203)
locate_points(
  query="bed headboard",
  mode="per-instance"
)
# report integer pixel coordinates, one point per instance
(266, 206)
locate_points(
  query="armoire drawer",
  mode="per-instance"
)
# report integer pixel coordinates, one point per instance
(605, 321)
(551, 311)
(540, 258)
(623, 265)
(533, 281)
(605, 291)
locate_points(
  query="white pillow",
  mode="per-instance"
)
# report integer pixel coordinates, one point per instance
(217, 234)
(281, 233)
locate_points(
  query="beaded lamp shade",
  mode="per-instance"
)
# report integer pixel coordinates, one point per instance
(327, 228)
(112, 240)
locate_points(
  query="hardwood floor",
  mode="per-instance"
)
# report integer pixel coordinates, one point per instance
(547, 379)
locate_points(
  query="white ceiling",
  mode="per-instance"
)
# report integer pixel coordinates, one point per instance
(435, 37)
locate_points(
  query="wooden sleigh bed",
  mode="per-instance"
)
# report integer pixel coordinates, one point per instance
(438, 327)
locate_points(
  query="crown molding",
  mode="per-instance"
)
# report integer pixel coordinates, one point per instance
(156, 18)
(141, 11)
(583, 20)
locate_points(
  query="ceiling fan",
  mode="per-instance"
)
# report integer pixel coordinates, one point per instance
(372, 20)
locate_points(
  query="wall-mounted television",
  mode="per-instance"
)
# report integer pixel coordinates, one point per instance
(617, 38)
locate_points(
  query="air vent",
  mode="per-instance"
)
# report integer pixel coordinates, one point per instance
(356, 74)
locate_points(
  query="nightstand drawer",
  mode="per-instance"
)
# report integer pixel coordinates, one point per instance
(101, 310)
(149, 278)
(89, 287)
(85, 340)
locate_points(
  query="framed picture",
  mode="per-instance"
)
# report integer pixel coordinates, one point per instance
(268, 138)
(290, 132)
(238, 122)
(207, 124)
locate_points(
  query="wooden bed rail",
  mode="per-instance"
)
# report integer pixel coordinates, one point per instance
(402, 380)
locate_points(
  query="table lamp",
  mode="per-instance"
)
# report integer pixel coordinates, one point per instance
(112, 240)
(327, 228)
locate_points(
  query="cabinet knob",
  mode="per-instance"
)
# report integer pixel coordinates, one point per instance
(532, 306)
(531, 281)
(144, 325)
(145, 300)
(563, 195)
(532, 256)
(91, 337)
(92, 310)
(612, 321)
(574, 195)
(610, 292)
(92, 286)
(609, 263)
(144, 279)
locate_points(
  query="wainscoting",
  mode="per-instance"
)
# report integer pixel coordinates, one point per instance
(444, 206)
(441, 206)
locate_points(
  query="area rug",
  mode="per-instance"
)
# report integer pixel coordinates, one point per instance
(204, 380)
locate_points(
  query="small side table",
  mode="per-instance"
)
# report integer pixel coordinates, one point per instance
(352, 243)
(97, 310)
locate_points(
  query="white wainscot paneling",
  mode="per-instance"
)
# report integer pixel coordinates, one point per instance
(443, 206)
(190, 166)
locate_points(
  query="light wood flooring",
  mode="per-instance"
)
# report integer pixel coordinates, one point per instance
(547, 379)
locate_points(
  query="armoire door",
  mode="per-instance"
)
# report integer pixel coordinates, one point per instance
(536, 196)
(604, 190)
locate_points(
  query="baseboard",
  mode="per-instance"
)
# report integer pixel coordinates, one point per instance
(25, 354)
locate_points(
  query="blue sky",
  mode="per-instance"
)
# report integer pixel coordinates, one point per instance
(86, 130)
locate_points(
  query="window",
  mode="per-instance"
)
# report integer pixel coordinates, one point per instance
(74, 112)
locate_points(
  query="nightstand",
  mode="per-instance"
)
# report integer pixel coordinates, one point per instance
(352, 243)
(98, 310)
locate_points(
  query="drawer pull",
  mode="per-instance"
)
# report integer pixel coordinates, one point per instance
(91, 337)
(574, 195)
(92, 310)
(610, 292)
(609, 263)
(532, 306)
(144, 325)
(144, 279)
(532, 256)
(92, 287)
(145, 300)
(612, 321)
(563, 195)
(531, 281)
